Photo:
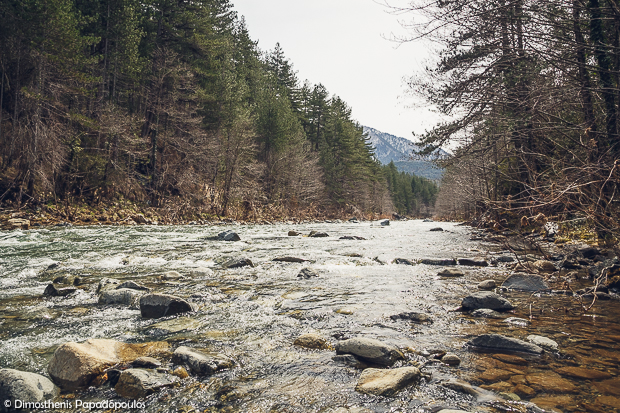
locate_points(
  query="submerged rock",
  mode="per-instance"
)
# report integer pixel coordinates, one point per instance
(403, 261)
(543, 342)
(385, 223)
(496, 342)
(525, 282)
(170, 276)
(451, 273)
(461, 387)
(319, 235)
(370, 350)
(353, 238)
(228, 236)
(201, 363)
(68, 279)
(52, 291)
(124, 296)
(293, 234)
(24, 386)
(173, 326)
(107, 284)
(486, 313)
(161, 305)
(415, 317)
(486, 299)
(438, 229)
(451, 359)
(350, 360)
(238, 263)
(307, 273)
(473, 262)
(132, 285)
(139, 383)
(290, 259)
(487, 285)
(75, 365)
(312, 341)
(432, 261)
(380, 382)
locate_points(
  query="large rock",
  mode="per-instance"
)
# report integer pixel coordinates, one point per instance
(162, 305)
(201, 363)
(496, 342)
(24, 386)
(486, 299)
(139, 383)
(107, 284)
(525, 282)
(370, 350)
(124, 296)
(308, 273)
(380, 382)
(543, 342)
(75, 365)
(238, 263)
(52, 291)
(228, 236)
(473, 262)
(313, 341)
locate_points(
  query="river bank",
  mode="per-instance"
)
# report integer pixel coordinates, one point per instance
(252, 300)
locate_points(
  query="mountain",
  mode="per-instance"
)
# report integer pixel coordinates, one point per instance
(390, 148)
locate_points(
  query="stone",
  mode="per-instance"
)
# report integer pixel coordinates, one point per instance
(451, 273)
(486, 313)
(543, 342)
(451, 359)
(385, 223)
(228, 236)
(487, 285)
(107, 284)
(516, 321)
(293, 234)
(312, 341)
(511, 359)
(473, 262)
(170, 276)
(486, 299)
(611, 386)
(524, 391)
(319, 235)
(544, 266)
(415, 317)
(290, 259)
(52, 291)
(180, 372)
(437, 229)
(68, 279)
(201, 363)
(352, 238)
(24, 386)
(173, 326)
(583, 373)
(17, 223)
(550, 382)
(124, 296)
(461, 387)
(132, 285)
(238, 263)
(432, 261)
(146, 362)
(494, 375)
(496, 342)
(380, 382)
(162, 305)
(370, 350)
(403, 261)
(525, 282)
(307, 273)
(139, 383)
(504, 259)
(75, 365)
(350, 360)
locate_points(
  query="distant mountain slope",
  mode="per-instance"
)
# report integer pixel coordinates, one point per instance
(393, 148)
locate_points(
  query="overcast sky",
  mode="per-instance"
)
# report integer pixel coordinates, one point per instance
(341, 44)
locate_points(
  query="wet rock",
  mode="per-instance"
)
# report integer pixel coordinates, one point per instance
(525, 282)
(123, 296)
(487, 285)
(451, 359)
(403, 261)
(524, 391)
(437, 229)
(170, 276)
(461, 387)
(511, 359)
(289, 259)
(550, 382)
(451, 273)
(505, 259)
(201, 363)
(432, 261)
(319, 235)
(486, 299)
(312, 341)
(370, 350)
(386, 383)
(107, 284)
(228, 236)
(161, 305)
(238, 263)
(486, 313)
(583, 373)
(427, 220)
(180, 372)
(24, 386)
(544, 266)
(496, 342)
(75, 365)
(353, 238)
(495, 375)
(52, 291)
(132, 285)
(473, 262)
(308, 273)
(385, 223)
(415, 317)
(293, 234)
(350, 360)
(68, 279)
(146, 362)
(516, 321)
(139, 383)
(543, 342)
(611, 386)
(176, 325)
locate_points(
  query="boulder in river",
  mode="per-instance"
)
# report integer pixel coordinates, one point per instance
(161, 305)
(451, 273)
(381, 382)
(132, 285)
(170, 276)
(308, 273)
(413, 316)
(290, 259)
(437, 229)
(75, 365)
(123, 296)
(312, 341)
(370, 350)
(496, 342)
(486, 313)
(319, 235)
(473, 262)
(68, 279)
(52, 291)
(201, 363)
(139, 383)
(238, 263)
(107, 284)
(487, 285)
(24, 386)
(525, 282)
(228, 236)
(451, 359)
(293, 234)
(403, 261)
(544, 266)
(461, 387)
(385, 223)
(486, 299)
(543, 342)
(433, 261)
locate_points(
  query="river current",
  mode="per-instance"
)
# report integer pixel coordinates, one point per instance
(254, 314)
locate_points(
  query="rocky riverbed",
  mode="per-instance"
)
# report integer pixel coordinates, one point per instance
(326, 317)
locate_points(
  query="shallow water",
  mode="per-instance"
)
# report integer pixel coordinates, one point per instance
(254, 314)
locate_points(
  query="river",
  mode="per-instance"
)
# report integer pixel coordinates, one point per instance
(254, 314)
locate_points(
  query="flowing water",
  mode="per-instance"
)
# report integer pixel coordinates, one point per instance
(254, 314)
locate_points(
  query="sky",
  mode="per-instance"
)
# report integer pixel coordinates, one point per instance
(343, 45)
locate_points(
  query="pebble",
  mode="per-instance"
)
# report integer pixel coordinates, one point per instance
(487, 285)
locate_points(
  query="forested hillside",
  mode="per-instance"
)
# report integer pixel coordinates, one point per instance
(170, 104)
(532, 89)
